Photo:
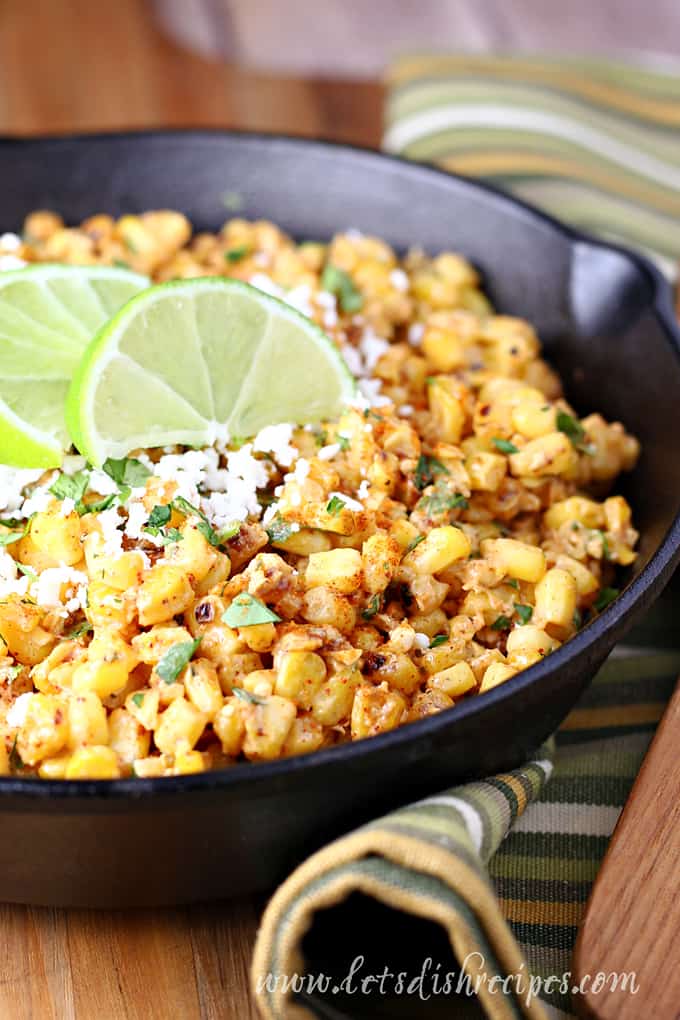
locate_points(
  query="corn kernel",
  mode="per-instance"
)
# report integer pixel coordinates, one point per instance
(439, 549)
(45, 729)
(495, 674)
(555, 598)
(164, 592)
(338, 569)
(299, 677)
(93, 763)
(181, 722)
(267, 727)
(517, 559)
(455, 681)
(575, 508)
(552, 454)
(87, 721)
(229, 726)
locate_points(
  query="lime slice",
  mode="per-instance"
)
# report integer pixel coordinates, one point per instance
(48, 315)
(185, 361)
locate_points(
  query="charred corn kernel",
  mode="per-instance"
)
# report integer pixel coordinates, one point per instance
(495, 674)
(586, 582)
(189, 762)
(514, 558)
(326, 607)
(533, 420)
(180, 723)
(304, 736)
(555, 598)
(447, 411)
(218, 574)
(164, 592)
(229, 726)
(100, 677)
(203, 687)
(127, 737)
(305, 542)
(142, 705)
(403, 532)
(93, 763)
(380, 556)
(433, 660)
(333, 700)
(260, 637)
(376, 710)
(299, 677)
(443, 348)
(575, 508)
(431, 624)
(4, 760)
(43, 674)
(439, 549)
(22, 631)
(58, 535)
(239, 665)
(428, 702)
(87, 723)
(260, 682)
(54, 768)
(486, 470)
(397, 669)
(44, 731)
(427, 592)
(108, 607)
(267, 727)
(529, 644)
(121, 572)
(617, 513)
(338, 569)
(455, 680)
(151, 645)
(219, 642)
(194, 555)
(553, 454)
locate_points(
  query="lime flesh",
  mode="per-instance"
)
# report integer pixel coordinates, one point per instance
(191, 360)
(48, 315)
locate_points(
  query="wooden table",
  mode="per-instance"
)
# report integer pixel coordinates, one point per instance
(79, 65)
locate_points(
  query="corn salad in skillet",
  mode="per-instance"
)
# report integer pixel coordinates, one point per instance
(179, 610)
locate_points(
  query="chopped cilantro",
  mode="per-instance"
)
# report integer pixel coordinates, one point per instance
(15, 761)
(414, 542)
(340, 283)
(12, 672)
(571, 427)
(71, 486)
(121, 263)
(501, 622)
(80, 629)
(524, 612)
(236, 254)
(513, 583)
(439, 639)
(372, 608)
(604, 598)
(426, 470)
(278, 529)
(248, 611)
(343, 442)
(334, 506)
(8, 537)
(248, 696)
(126, 472)
(159, 517)
(175, 659)
(138, 699)
(606, 550)
(97, 506)
(441, 499)
(320, 437)
(204, 526)
(26, 571)
(504, 445)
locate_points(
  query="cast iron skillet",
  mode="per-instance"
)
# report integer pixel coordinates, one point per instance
(606, 320)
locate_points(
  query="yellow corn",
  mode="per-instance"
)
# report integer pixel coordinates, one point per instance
(440, 548)
(93, 763)
(516, 559)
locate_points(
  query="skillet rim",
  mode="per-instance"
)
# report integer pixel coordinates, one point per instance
(638, 594)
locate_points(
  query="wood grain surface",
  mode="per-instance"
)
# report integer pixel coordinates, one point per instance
(632, 920)
(84, 65)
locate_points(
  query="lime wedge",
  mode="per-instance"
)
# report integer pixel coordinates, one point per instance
(48, 315)
(185, 361)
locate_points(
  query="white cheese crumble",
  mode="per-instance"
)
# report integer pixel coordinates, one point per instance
(351, 504)
(16, 716)
(276, 439)
(363, 490)
(372, 348)
(328, 452)
(415, 334)
(370, 389)
(406, 410)
(11, 262)
(67, 507)
(13, 481)
(10, 242)
(266, 284)
(422, 640)
(10, 582)
(46, 590)
(399, 279)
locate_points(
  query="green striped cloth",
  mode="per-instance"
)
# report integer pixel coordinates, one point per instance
(488, 881)
(595, 142)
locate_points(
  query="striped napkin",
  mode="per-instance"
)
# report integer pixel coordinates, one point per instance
(468, 902)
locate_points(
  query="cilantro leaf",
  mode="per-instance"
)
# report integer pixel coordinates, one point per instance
(80, 629)
(71, 486)
(335, 505)
(26, 571)
(604, 598)
(15, 761)
(159, 517)
(571, 427)
(414, 542)
(524, 612)
(8, 537)
(372, 608)
(244, 695)
(504, 445)
(441, 499)
(343, 442)
(126, 471)
(426, 470)
(236, 254)
(278, 529)
(215, 538)
(97, 506)
(337, 281)
(501, 622)
(439, 639)
(248, 611)
(138, 699)
(175, 659)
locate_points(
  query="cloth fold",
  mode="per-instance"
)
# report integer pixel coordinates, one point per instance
(596, 142)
